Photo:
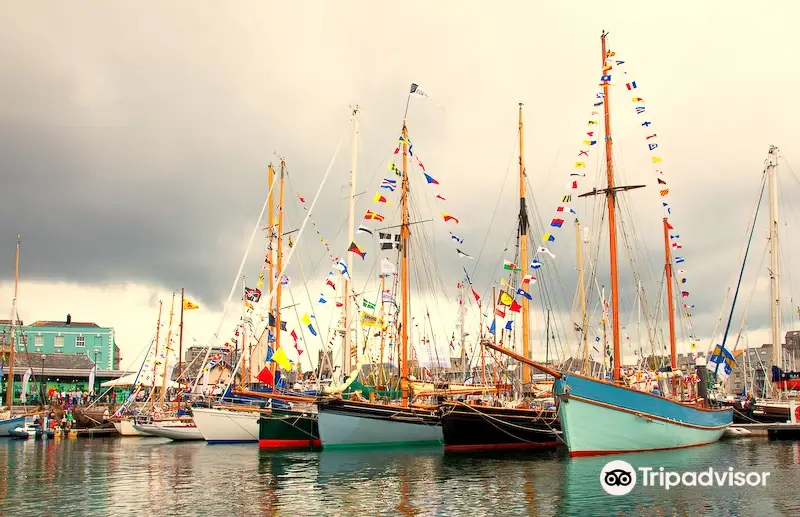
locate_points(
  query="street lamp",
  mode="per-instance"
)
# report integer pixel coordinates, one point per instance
(94, 382)
(41, 381)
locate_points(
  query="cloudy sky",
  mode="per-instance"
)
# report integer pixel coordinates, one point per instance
(135, 143)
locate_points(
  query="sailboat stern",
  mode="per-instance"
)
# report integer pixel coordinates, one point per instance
(598, 417)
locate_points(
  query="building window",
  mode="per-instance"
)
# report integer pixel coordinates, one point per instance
(58, 341)
(59, 351)
(38, 340)
(80, 342)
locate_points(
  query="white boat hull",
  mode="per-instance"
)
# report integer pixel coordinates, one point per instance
(176, 432)
(126, 428)
(226, 426)
(355, 426)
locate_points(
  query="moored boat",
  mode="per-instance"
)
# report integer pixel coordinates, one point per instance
(292, 429)
(177, 431)
(471, 427)
(346, 423)
(7, 425)
(125, 427)
(598, 417)
(228, 424)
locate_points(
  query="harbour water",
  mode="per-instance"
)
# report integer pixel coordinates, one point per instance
(140, 476)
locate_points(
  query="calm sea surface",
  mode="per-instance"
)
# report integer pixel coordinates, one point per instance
(150, 476)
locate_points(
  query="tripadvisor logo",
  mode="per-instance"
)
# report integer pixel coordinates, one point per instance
(619, 477)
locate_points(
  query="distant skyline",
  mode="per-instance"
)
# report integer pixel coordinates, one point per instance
(135, 147)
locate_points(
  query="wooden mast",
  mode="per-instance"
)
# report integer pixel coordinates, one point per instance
(582, 286)
(612, 220)
(180, 339)
(280, 257)
(270, 247)
(166, 354)
(404, 274)
(774, 270)
(380, 360)
(10, 393)
(670, 298)
(155, 354)
(523, 250)
(347, 360)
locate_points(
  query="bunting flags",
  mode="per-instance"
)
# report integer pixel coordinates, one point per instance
(652, 144)
(189, 306)
(358, 251)
(448, 217)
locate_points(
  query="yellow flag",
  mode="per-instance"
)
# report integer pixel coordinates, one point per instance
(368, 320)
(280, 358)
(579, 165)
(504, 283)
(305, 319)
(189, 306)
(505, 298)
(656, 159)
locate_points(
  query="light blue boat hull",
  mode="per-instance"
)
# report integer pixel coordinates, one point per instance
(598, 417)
(12, 423)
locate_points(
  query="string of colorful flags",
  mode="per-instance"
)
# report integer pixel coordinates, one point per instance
(652, 142)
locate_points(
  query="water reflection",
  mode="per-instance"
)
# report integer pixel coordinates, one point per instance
(158, 477)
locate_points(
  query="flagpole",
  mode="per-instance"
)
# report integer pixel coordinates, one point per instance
(279, 239)
(404, 272)
(523, 251)
(347, 361)
(180, 339)
(670, 300)
(270, 219)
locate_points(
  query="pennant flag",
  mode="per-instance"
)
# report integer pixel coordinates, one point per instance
(492, 328)
(367, 304)
(370, 215)
(421, 166)
(661, 182)
(462, 254)
(364, 229)
(500, 312)
(504, 283)
(580, 165)
(556, 223)
(368, 320)
(640, 110)
(567, 199)
(430, 178)
(508, 324)
(669, 226)
(448, 217)
(438, 196)
(330, 283)
(389, 184)
(536, 264)
(415, 89)
(510, 266)
(524, 293)
(683, 280)
(548, 238)
(270, 353)
(393, 168)
(322, 298)
(294, 335)
(679, 260)
(638, 99)
(605, 78)
(505, 299)
(343, 268)
(307, 322)
(380, 199)
(281, 360)
(664, 192)
(590, 142)
(652, 146)
(189, 306)
(358, 251)
(631, 85)
(475, 294)
(271, 322)
(458, 240)
(265, 376)
(529, 279)
(656, 159)
(300, 197)
(542, 249)
(619, 62)
(515, 307)
(684, 293)
(651, 136)
(677, 245)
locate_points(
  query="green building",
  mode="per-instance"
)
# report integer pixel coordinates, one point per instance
(60, 354)
(64, 337)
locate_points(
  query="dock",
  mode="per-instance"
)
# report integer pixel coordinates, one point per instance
(774, 430)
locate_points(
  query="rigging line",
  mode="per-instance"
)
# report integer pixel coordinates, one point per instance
(750, 298)
(291, 250)
(741, 272)
(215, 336)
(497, 204)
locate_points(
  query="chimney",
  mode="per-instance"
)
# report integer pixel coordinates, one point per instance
(69, 319)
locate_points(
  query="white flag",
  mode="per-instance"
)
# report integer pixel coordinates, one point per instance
(91, 379)
(542, 249)
(387, 268)
(25, 378)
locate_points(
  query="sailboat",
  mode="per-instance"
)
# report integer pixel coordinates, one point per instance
(8, 422)
(482, 426)
(606, 417)
(352, 423)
